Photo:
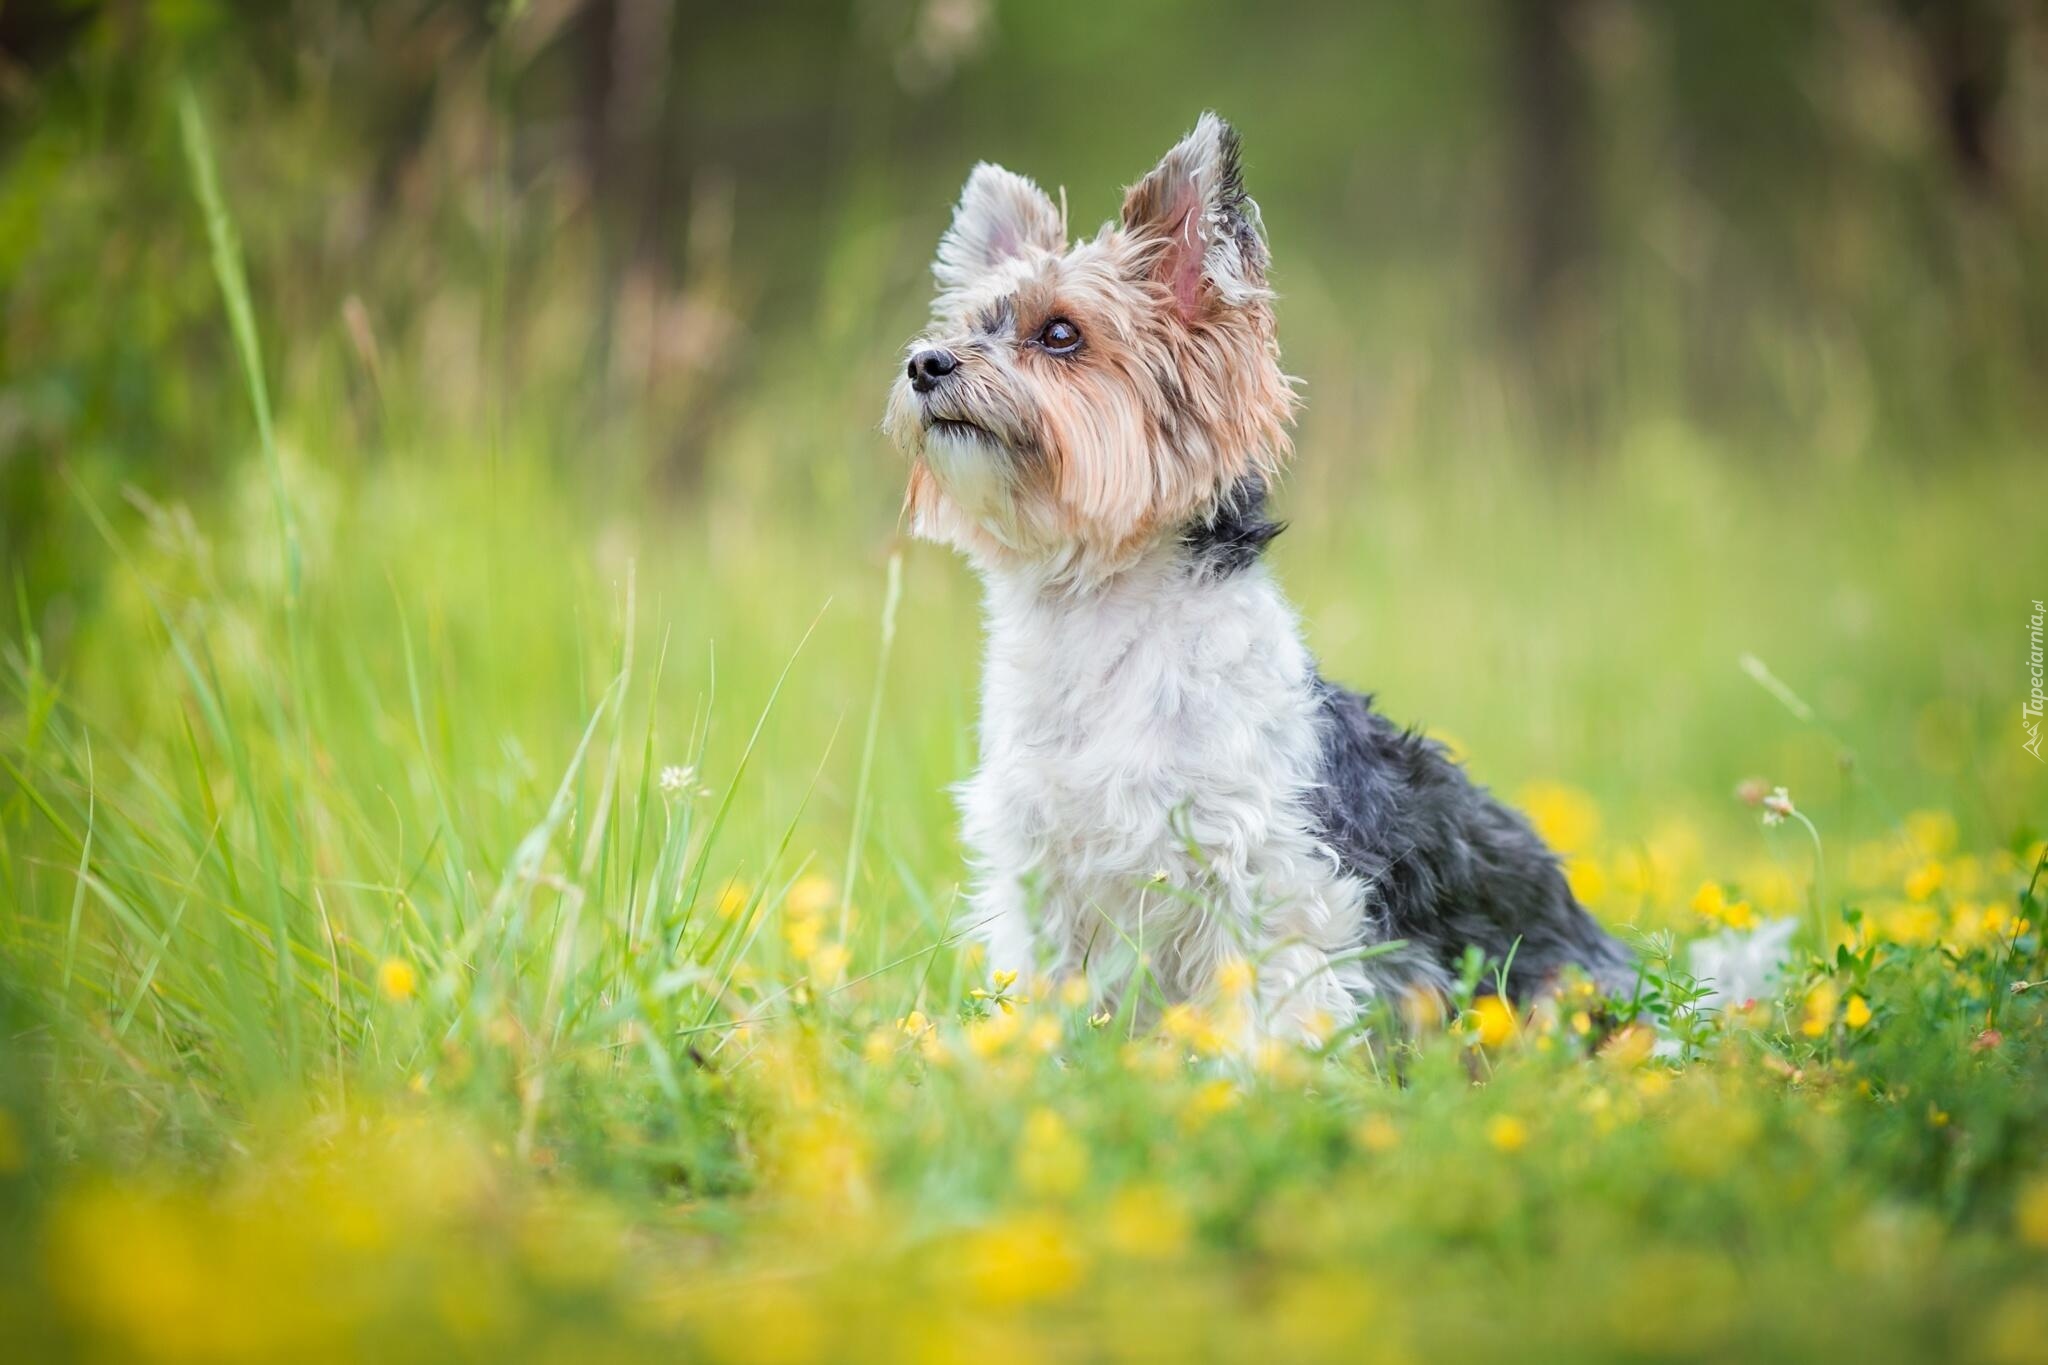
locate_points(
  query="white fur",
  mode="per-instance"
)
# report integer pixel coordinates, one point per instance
(1157, 722)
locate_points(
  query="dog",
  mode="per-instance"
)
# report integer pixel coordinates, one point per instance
(1169, 792)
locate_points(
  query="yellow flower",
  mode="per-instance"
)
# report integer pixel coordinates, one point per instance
(915, 1024)
(1145, 1223)
(733, 899)
(1587, 879)
(1934, 831)
(1565, 816)
(828, 963)
(1507, 1133)
(1378, 1134)
(1630, 1046)
(1190, 1027)
(989, 1036)
(1819, 1009)
(2030, 1212)
(1923, 881)
(397, 979)
(1912, 926)
(1029, 1260)
(1044, 1034)
(1235, 977)
(1856, 1013)
(1210, 1099)
(1001, 994)
(1050, 1161)
(812, 895)
(805, 937)
(1492, 1022)
(1712, 902)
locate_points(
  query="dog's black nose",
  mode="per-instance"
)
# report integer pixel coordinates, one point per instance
(928, 367)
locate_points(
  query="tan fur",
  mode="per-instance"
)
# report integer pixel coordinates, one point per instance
(1175, 396)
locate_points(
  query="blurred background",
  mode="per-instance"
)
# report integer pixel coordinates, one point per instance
(641, 230)
(1634, 337)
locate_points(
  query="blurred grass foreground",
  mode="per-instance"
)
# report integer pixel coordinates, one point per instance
(477, 878)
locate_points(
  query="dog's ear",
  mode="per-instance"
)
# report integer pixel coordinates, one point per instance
(1001, 215)
(1198, 229)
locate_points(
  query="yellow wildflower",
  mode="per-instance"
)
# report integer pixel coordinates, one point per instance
(1856, 1013)
(1191, 1028)
(805, 937)
(1492, 1021)
(1819, 1009)
(1210, 1099)
(733, 899)
(1565, 816)
(1507, 1133)
(1913, 926)
(1029, 1260)
(988, 1037)
(1630, 1046)
(812, 895)
(828, 963)
(1587, 879)
(1926, 879)
(1145, 1223)
(1051, 1162)
(1235, 977)
(1711, 901)
(397, 979)
(1378, 1134)
(1933, 831)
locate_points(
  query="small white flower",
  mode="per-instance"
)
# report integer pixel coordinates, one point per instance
(676, 779)
(1778, 806)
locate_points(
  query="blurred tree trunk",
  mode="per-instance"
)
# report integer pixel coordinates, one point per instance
(1964, 43)
(1550, 202)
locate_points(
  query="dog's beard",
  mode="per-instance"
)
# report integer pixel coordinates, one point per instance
(971, 463)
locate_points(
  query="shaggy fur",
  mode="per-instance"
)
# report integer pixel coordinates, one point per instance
(1165, 777)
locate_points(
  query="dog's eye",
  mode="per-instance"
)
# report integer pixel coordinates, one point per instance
(1060, 337)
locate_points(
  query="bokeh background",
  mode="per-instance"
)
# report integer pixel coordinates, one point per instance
(1592, 300)
(677, 244)
(477, 874)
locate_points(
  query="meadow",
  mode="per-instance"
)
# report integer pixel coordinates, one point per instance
(460, 907)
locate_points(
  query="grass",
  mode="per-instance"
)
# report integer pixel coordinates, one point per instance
(452, 910)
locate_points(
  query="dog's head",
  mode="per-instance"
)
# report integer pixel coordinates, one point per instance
(1070, 406)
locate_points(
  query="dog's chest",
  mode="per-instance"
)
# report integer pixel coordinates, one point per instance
(1167, 726)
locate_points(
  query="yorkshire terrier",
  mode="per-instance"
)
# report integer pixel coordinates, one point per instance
(1169, 790)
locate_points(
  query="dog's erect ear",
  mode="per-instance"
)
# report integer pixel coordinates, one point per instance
(1001, 215)
(1200, 228)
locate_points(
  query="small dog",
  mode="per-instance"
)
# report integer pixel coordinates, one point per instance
(1167, 784)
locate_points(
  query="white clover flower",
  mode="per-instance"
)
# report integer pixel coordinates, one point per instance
(677, 779)
(1778, 807)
